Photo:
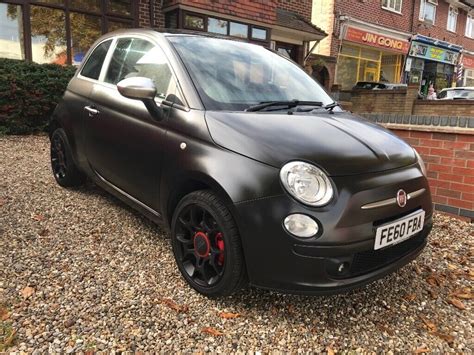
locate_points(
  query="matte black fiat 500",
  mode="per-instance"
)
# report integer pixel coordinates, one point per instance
(256, 173)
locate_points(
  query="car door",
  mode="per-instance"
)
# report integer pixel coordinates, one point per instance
(124, 142)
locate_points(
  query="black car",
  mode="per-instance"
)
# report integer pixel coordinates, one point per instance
(257, 175)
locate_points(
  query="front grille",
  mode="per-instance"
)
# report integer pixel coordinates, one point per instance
(370, 260)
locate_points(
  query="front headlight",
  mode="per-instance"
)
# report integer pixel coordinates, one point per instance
(421, 163)
(306, 183)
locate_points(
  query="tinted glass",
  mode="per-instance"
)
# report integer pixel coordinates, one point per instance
(48, 35)
(117, 25)
(11, 32)
(258, 33)
(238, 30)
(94, 63)
(85, 30)
(136, 57)
(194, 22)
(232, 75)
(215, 25)
(122, 7)
(90, 5)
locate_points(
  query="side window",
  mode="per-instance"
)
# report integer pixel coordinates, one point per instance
(136, 57)
(96, 59)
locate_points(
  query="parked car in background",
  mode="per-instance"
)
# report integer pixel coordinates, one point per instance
(369, 85)
(459, 93)
(254, 170)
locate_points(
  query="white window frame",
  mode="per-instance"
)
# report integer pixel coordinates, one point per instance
(391, 5)
(469, 26)
(423, 5)
(452, 16)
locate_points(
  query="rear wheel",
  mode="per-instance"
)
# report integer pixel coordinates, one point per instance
(207, 246)
(64, 170)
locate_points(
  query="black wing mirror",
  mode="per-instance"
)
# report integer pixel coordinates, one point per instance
(140, 88)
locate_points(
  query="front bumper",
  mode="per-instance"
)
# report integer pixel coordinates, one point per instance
(276, 260)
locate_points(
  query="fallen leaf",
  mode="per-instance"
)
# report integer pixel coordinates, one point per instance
(4, 314)
(9, 340)
(417, 269)
(43, 232)
(38, 217)
(410, 297)
(452, 267)
(429, 324)
(433, 280)
(227, 315)
(27, 292)
(465, 293)
(433, 294)
(212, 331)
(447, 337)
(3, 202)
(330, 350)
(457, 303)
(422, 350)
(173, 305)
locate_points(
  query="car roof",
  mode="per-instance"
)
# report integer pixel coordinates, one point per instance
(167, 32)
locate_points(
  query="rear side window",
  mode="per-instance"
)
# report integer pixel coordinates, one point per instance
(96, 59)
(136, 57)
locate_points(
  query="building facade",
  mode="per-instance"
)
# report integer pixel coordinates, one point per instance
(424, 42)
(61, 31)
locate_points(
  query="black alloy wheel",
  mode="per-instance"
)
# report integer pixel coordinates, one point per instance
(207, 246)
(64, 170)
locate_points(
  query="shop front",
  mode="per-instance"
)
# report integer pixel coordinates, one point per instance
(468, 69)
(375, 55)
(431, 62)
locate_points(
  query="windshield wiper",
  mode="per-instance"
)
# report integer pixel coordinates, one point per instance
(331, 106)
(289, 104)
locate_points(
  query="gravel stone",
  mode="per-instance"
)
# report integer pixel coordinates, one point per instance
(100, 272)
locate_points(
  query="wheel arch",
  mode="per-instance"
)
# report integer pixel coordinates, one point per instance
(190, 182)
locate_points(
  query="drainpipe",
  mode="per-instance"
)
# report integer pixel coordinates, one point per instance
(152, 13)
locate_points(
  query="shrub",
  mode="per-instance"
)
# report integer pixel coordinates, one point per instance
(29, 93)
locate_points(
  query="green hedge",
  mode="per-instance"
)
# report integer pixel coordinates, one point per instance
(29, 93)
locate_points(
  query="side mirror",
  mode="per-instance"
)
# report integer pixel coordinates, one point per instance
(140, 88)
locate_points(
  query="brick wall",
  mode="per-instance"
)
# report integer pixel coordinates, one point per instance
(144, 14)
(439, 30)
(384, 101)
(408, 21)
(449, 159)
(302, 7)
(441, 108)
(258, 10)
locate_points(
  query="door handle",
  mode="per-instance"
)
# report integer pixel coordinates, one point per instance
(92, 111)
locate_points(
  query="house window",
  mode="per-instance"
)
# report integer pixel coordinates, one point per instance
(470, 26)
(452, 19)
(259, 34)
(239, 30)
(194, 22)
(392, 5)
(11, 32)
(428, 10)
(218, 26)
(60, 31)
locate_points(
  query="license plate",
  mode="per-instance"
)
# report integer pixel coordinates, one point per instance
(397, 231)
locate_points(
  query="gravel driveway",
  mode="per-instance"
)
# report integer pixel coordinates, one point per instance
(81, 271)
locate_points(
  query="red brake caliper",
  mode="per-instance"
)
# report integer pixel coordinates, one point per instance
(220, 246)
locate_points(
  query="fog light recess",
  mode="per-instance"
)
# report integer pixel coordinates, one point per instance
(301, 226)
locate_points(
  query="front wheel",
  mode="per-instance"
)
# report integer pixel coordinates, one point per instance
(64, 169)
(206, 245)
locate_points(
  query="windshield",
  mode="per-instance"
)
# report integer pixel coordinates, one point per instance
(233, 76)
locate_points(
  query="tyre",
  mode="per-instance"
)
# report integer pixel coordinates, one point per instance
(64, 170)
(206, 245)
